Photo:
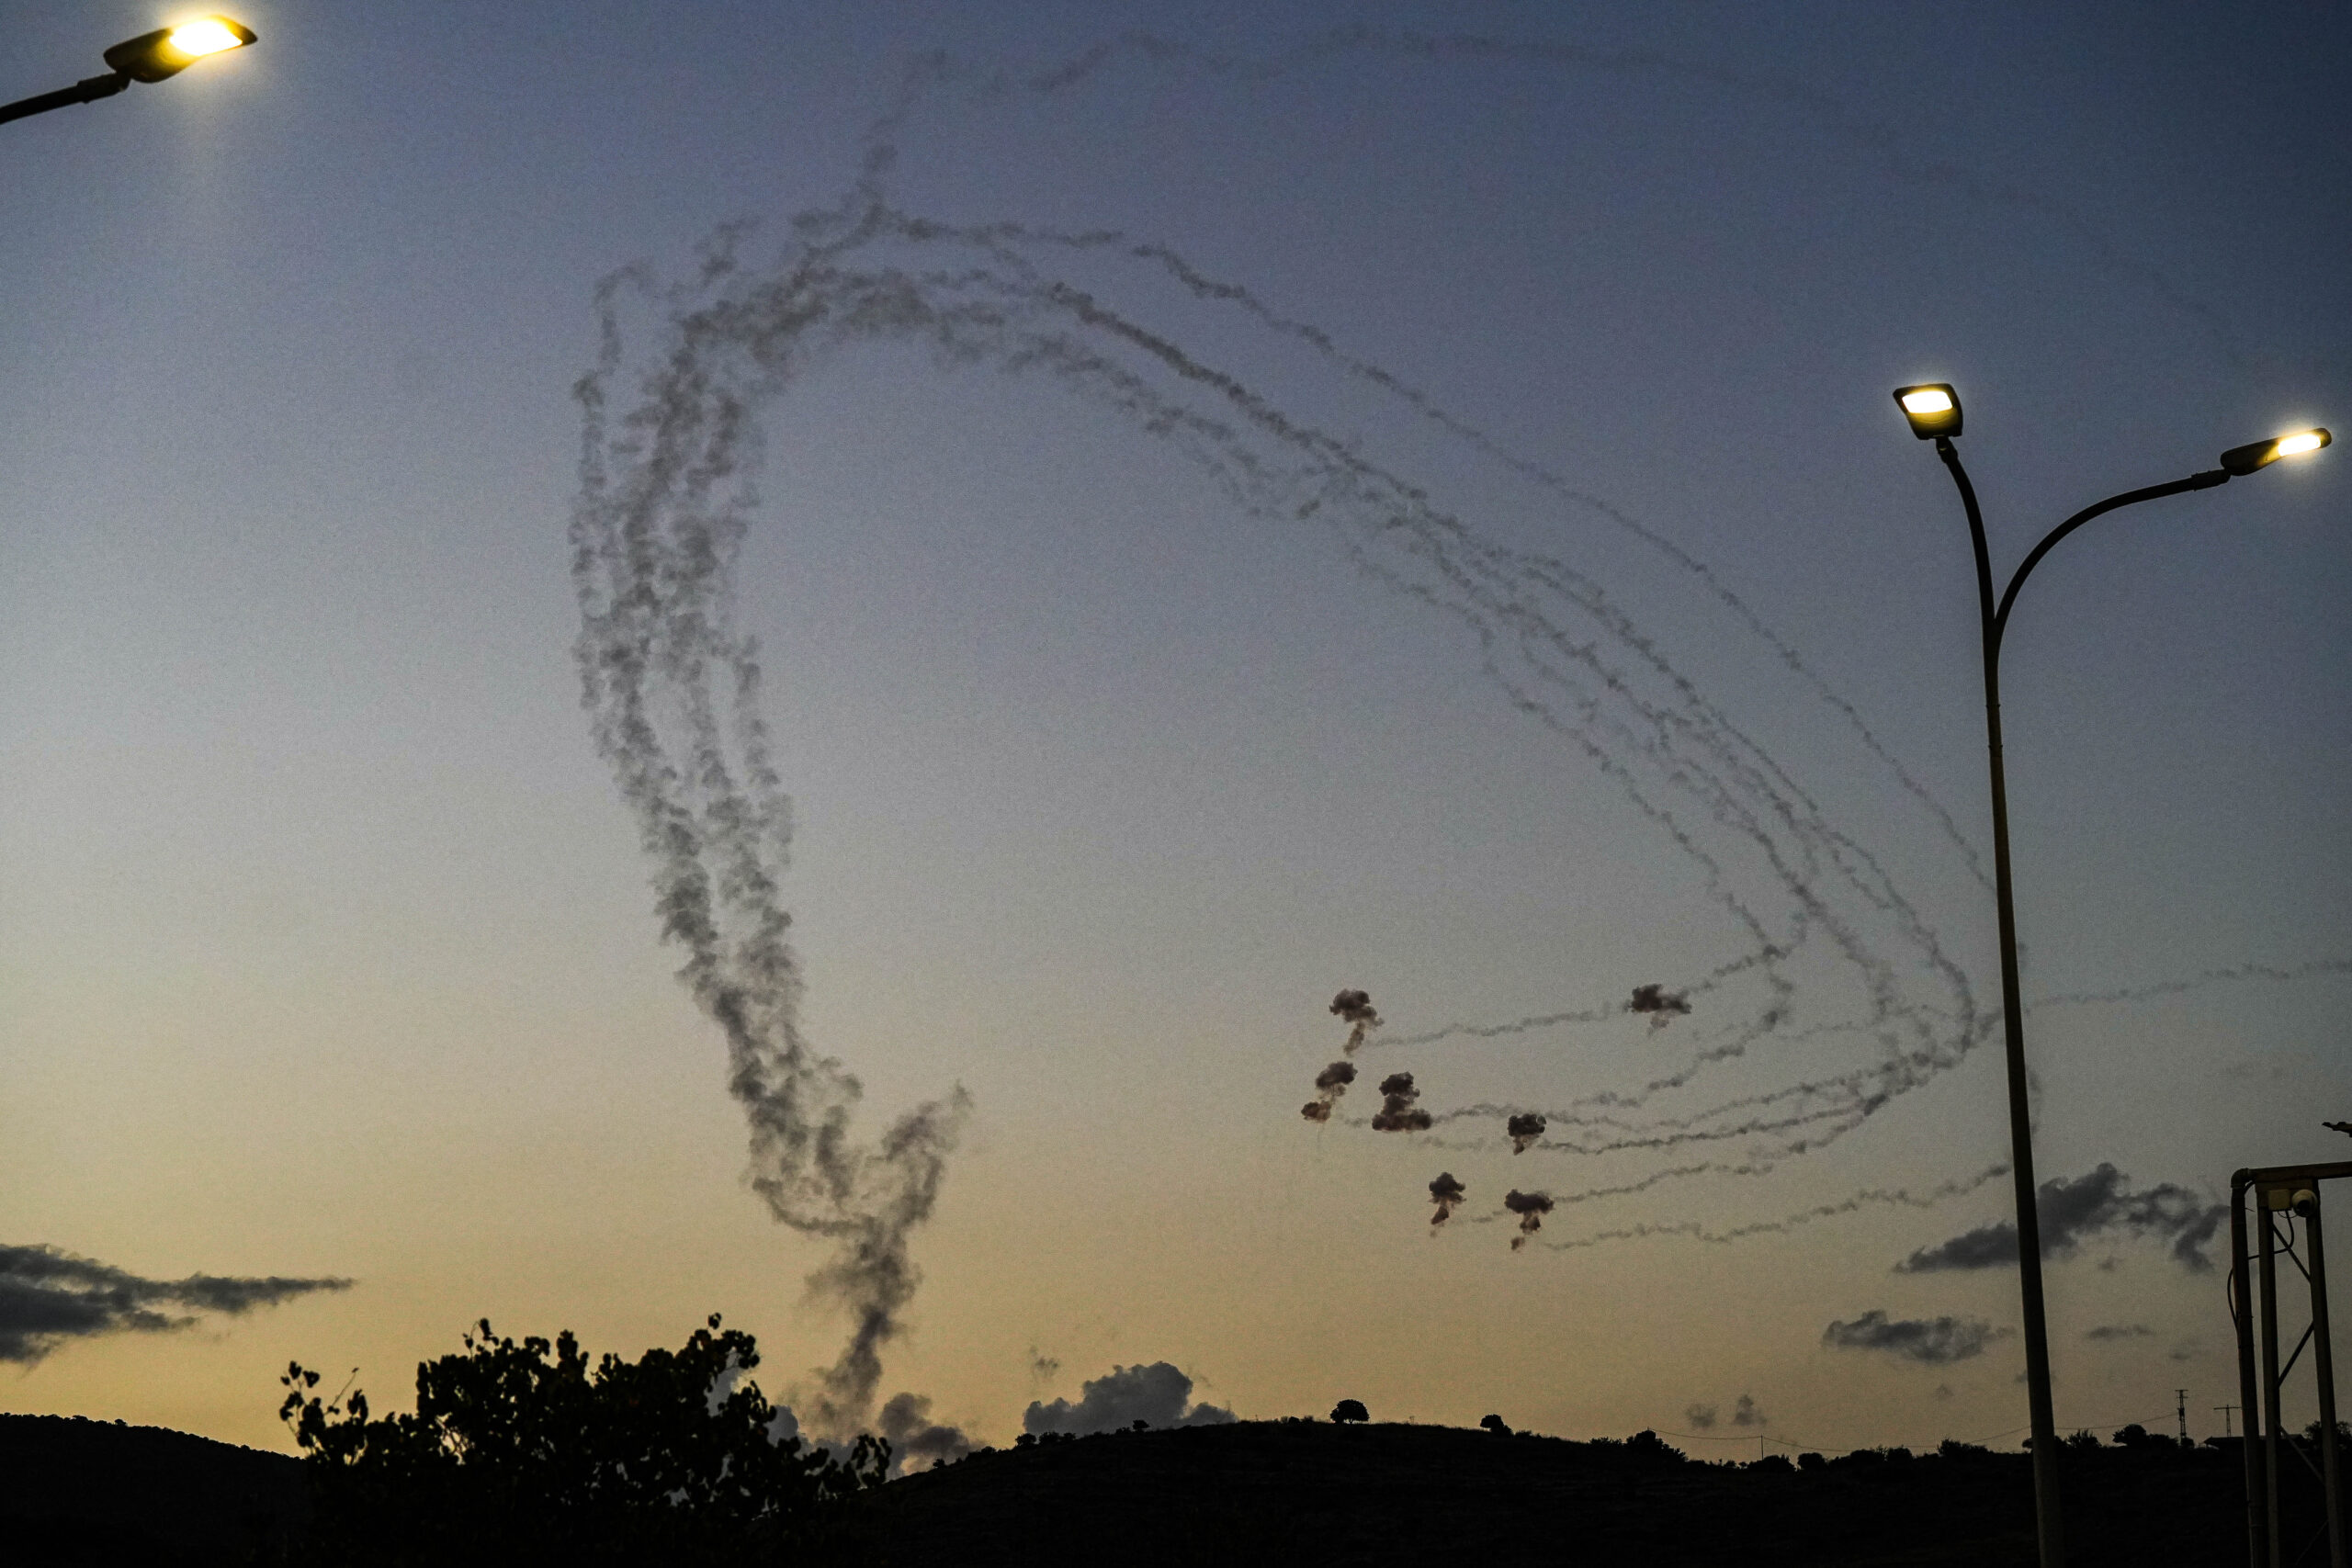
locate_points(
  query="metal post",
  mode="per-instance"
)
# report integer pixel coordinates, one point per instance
(2258, 1517)
(2270, 1368)
(2325, 1365)
(2049, 1527)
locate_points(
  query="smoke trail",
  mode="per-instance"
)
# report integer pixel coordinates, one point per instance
(672, 687)
(2199, 982)
(1447, 1194)
(671, 691)
(1397, 1112)
(1531, 1208)
(1599, 1014)
(1330, 1084)
(1870, 1197)
(1555, 645)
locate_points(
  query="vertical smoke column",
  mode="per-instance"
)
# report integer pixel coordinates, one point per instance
(671, 691)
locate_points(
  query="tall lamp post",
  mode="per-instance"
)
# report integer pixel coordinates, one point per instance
(150, 57)
(1934, 413)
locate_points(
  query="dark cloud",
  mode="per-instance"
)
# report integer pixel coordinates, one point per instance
(1445, 1193)
(1531, 1208)
(1523, 1129)
(48, 1297)
(1746, 1414)
(1330, 1084)
(916, 1441)
(1932, 1342)
(1397, 1113)
(1700, 1416)
(2073, 1210)
(1354, 1008)
(1159, 1394)
(2107, 1331)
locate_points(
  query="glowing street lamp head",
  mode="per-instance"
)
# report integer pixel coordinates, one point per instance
(168, 51)
(2262, 454)
(1933, 409)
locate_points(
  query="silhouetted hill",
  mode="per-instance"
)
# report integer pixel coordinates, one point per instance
(1265, 1492)
(74, 1491)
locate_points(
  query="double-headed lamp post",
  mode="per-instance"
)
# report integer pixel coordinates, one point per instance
(1934, 413)
(150, 57)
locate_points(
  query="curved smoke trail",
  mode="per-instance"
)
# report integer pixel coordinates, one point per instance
(671, 438)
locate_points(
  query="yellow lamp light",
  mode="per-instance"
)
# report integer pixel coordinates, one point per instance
(1932, 409)
(168, 51)
(2262, 454)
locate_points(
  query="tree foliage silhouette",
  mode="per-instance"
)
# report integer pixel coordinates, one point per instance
(512, 1457)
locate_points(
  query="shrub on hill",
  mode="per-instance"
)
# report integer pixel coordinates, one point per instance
(514, 1458)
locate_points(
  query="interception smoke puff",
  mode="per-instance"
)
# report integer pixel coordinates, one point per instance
(1446, 1193)
(1354, 1007)
(1330, 1084)
(1524, 1130)
(1659, 1003)
(1531, 1208)
(1397, 1112)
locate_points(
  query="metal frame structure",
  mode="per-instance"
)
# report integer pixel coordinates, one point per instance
(2283, 1194)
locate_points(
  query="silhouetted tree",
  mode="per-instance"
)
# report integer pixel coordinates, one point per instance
(1496, 1424)
(1350, 1410)
(514, 1458)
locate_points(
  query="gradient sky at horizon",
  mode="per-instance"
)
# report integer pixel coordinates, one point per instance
(325, 945)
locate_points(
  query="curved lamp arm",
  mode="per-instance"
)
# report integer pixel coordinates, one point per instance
(1996, 618)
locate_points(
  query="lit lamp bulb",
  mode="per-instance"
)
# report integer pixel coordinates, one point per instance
(168, 51)
(210, 35)
(2240, 460)
(1933, 409)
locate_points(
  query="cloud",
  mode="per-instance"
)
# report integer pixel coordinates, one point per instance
(905, 1421)
(2118, 1331)
(48, 1297)
(1746, 1414)
(1159, 1394)
(1931, 1342)
(2072, 1212)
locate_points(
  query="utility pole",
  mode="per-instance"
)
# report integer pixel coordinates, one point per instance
(2180, 1407)
(2225, 1410)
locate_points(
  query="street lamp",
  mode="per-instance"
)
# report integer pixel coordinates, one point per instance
(150, 57)
(1933, 410)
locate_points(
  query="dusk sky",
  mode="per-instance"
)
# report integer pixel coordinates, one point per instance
(1245, 500)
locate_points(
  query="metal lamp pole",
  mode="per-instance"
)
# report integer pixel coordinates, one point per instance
(1934, 414)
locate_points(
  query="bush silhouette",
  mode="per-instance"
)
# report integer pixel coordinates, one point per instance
(1350, 1410)
(1496, 1424)
(513, 1458)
